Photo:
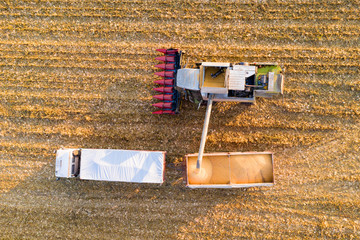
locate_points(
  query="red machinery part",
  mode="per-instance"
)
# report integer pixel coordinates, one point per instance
(166, 58)
(164, 89)
(165, 74)
(168, 66)
(164, 112)
(165, 82)
(167, 51)
(164, 97)
(163, 105)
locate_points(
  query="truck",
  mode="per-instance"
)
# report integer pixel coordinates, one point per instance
(111, 165)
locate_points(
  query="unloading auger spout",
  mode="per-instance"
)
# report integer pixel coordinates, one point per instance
(204, 132)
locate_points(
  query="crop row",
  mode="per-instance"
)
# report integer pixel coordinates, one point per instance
(289, 121)
(186, 3)
(295, 54)
(45, 94)
(313, 68)
(144, 52)
(75, 105)
(18, 146)
(51, 57)
(144, 48)
(74, 79)
(340, 81)
(194, 3)
(51, 128)
(244, 12)
(332, 108)
(290, 56)
(228, 32)
(78, 129)
(194, 16)
(66, 79)
(293, 64)
(285, 138)
(62, 62)
(51, 85)
(128, 57)
(20, 154)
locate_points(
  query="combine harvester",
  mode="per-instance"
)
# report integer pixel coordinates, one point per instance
(218, 81)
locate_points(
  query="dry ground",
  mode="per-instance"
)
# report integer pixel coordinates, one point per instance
(79, 74)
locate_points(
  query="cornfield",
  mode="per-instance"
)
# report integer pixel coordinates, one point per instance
(80, 74)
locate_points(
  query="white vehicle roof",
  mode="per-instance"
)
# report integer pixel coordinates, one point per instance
(115, 165)
(63, 163)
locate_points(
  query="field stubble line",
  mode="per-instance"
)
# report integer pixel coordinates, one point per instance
(294, 31)
(36, 85)
(192, 3)
(309, 68)
(243, 12)
(290, 57)
(147, 49)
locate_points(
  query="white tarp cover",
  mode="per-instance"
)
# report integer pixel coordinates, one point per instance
(122, 165)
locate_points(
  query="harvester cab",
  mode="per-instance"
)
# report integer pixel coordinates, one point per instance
(219, 81)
